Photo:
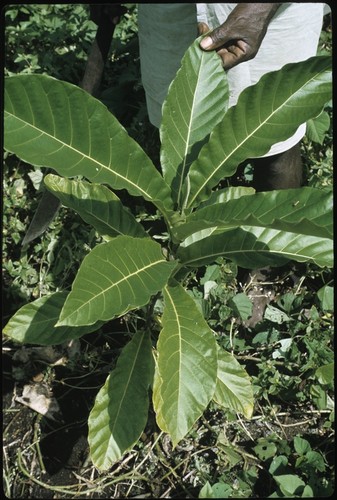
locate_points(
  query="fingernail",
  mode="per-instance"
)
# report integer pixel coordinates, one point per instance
(206, 42)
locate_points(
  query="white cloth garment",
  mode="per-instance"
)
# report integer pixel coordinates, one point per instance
(167, 30)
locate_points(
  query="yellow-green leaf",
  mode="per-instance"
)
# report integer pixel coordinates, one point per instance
(121, 407)
(186, 364)
(233, 389)
(114, 278)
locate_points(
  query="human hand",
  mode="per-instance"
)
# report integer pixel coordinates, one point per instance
(239, 38)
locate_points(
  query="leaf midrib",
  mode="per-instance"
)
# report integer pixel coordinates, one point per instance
(214, 255)
(189, 131)
(127, 385)
(284, 103)
(180, 349)
(125, 278)
(77, 151)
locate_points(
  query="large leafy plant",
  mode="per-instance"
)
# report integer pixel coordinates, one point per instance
(55, 124)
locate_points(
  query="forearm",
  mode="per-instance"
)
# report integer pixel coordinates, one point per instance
(258, 15)
(265, 10)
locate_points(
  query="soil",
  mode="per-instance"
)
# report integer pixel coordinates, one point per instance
(63, 443)
(60, 436)
(64, 448)
(48, 456)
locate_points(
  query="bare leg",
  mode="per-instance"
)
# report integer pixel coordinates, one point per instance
(282, 171)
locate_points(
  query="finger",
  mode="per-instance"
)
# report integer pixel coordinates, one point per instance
(202, 28)
(229, 59)
(234, 54)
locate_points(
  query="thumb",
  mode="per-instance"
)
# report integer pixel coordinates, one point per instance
(207, 43)
(214, 39)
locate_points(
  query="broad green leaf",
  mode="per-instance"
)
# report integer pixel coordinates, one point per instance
(34, 323)
(206, 491)
(318, 127)
(275, 315)
(217, 490)
(197, 100)
(121, 407)
(314, 460)
(302, 446)
(302, 211)
(290, 485)
(186, 365)
(326, 297)
(233, 387)
(115, 277)
(227, 194)
(97, 205)
(242, 306)
(199, 235)
(308, 492)
(325, 374)
(279, 465)
(55, 124)
(266, 113)
(251, 247)
(265, 449)
(285, 344)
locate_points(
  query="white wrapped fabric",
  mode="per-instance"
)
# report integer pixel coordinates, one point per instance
(165, 32)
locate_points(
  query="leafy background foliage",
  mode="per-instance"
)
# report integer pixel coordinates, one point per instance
(289, 440)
